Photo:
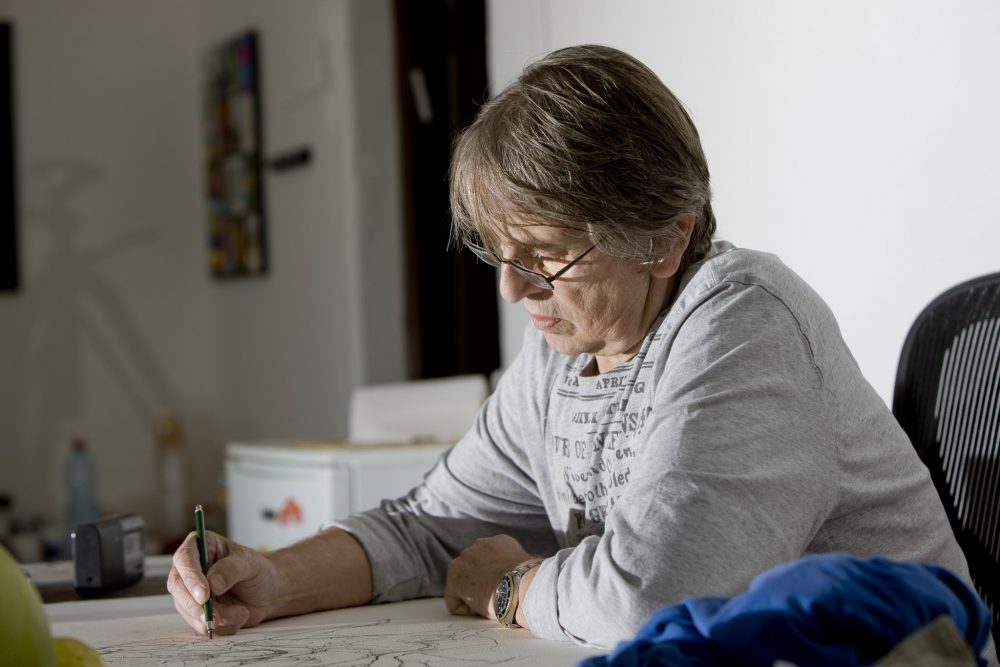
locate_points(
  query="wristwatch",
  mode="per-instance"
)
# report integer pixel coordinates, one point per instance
(505, 598)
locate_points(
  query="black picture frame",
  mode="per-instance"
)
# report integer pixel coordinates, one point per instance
(9, 266)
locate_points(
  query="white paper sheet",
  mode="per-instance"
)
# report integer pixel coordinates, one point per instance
(420, 632)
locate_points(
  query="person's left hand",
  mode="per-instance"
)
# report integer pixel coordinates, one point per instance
(473, 576)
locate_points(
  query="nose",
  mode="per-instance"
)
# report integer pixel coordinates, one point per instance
(514, 286)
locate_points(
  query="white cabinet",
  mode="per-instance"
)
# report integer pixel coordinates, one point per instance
(282, 492)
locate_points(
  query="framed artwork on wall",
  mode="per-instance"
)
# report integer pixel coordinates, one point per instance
(9, 274)
(233, 159)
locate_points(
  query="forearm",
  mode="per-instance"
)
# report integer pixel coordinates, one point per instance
(327, 571)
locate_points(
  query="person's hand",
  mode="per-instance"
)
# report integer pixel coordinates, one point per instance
(242, 581)
(473, 576)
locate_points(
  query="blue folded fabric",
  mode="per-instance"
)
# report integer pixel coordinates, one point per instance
(832, 610)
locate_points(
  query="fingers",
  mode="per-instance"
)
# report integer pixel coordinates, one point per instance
(186, 606)
(231, 615)
(456, 596)
(228, 618)
(453, 599)
(187, 566)
(457, 607)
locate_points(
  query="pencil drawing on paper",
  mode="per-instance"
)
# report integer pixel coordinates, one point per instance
(372, 643)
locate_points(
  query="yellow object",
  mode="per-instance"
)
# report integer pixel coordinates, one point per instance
(24, 632)
(74, 653)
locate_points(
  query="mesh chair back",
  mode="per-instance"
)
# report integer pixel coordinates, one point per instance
(947, 399)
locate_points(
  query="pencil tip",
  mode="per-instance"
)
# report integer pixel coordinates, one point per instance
(210, 634)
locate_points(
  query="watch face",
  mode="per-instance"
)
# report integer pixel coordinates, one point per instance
(502, 596)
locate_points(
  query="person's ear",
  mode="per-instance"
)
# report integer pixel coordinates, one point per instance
(668, 265)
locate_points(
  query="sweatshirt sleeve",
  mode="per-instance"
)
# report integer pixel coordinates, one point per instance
(482, 487)
(736, 474)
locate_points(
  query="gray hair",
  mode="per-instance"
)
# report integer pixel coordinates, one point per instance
(587, 139)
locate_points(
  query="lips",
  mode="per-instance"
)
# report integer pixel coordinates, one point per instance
(544, 323)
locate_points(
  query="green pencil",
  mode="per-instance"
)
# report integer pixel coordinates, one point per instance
(199, 529)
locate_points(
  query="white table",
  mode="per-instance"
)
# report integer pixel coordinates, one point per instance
(147, 631)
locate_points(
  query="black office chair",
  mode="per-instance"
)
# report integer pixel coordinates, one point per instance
(947, 399)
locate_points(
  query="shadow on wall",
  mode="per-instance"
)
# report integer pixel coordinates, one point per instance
(67, 303)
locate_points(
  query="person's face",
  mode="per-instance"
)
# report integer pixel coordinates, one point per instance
(601, 306)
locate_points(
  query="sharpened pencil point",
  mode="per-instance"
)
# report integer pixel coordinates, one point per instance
(210, 634)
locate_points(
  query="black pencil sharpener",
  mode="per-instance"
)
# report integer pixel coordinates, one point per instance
(107, 554)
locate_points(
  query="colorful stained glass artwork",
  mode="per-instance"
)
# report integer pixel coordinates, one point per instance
(233, 160)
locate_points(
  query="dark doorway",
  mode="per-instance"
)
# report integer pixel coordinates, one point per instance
(452, 317)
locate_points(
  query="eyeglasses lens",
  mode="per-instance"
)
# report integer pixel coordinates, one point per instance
(535, 278)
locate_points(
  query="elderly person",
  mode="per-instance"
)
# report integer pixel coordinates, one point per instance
(683, 415)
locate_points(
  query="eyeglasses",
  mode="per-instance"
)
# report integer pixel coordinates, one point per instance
(534, 277)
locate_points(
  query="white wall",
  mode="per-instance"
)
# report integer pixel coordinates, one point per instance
(292, 346)
(113, 322)
(117, 319)
(857, 140)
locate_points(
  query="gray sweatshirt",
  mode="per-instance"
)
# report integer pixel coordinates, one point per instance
(741, 436)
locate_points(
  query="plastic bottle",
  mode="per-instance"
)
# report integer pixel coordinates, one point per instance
(174, 515)
(81, 486)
